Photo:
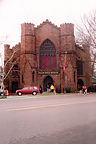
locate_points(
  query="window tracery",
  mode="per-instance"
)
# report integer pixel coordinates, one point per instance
(47, 56)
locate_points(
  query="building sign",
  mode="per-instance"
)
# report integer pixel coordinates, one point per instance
(52, 72)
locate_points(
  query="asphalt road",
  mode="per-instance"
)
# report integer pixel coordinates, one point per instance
(48, 120)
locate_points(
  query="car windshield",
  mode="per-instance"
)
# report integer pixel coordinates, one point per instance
(35, 87)
(31, 87)
(25, 88)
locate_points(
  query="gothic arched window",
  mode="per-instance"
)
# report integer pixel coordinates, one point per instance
(47, 56)
(15, 70)
(79, 67)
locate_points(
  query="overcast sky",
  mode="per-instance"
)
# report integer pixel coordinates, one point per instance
(15, 12)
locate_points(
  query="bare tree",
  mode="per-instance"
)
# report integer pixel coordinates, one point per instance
(2, 41)
(9, 63)
(86, 34)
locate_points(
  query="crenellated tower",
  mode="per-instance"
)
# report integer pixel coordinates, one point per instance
(67, 56)
(27, 37)
(28, 55)
(67, 37)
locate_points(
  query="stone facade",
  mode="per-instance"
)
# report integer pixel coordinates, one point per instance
(42, 55)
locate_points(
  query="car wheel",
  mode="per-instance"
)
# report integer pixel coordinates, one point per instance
(19, 93)
(34, 93)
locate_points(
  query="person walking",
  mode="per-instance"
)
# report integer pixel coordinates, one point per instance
(52, 88)
(40, 89)
(48, 88)
(84, 89)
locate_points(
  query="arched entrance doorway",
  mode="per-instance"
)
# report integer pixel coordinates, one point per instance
(80, 84)
(47, 82)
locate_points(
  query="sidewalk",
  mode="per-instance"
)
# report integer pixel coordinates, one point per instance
(44, 94)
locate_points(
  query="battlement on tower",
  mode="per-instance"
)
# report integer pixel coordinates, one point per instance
(27, 29)
(67, 29)
(8, 51)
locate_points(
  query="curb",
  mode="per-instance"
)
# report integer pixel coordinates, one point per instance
(41, 95)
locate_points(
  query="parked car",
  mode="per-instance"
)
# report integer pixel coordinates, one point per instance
(28, 90)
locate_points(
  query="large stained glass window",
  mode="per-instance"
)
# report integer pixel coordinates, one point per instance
(47, 55)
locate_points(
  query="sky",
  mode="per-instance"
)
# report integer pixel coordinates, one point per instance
(15, 12)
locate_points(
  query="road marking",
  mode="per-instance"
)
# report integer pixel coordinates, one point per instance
(52, 105)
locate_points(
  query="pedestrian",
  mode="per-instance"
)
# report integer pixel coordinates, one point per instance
(84, 89)
(40, 89)
(54, 90)
(48, 88)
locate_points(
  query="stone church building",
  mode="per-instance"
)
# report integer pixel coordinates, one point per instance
(47, 54)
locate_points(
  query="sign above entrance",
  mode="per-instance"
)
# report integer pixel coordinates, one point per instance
(52, 72)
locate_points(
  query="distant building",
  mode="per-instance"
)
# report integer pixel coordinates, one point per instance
(45, 52)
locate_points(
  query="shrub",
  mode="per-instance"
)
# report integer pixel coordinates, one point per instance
(68, 90)
(58, 90)
(79, 89)
(91, 89)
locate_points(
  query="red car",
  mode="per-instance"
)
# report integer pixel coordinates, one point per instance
(28, 90)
